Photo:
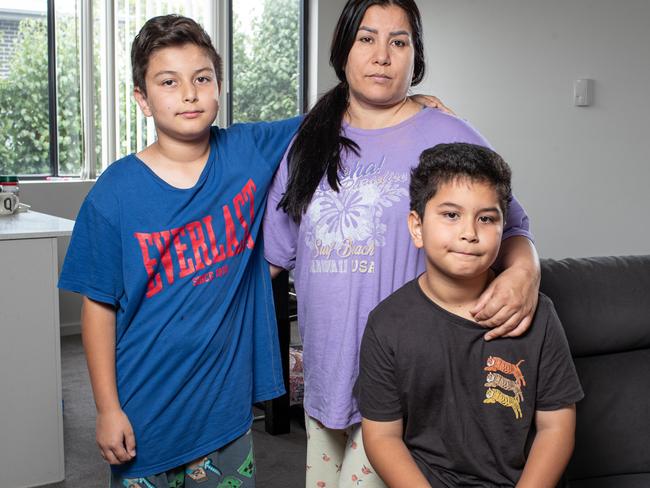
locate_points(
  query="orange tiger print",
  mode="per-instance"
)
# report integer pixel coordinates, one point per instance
(492, 395)
(495, 363)
(495, 379)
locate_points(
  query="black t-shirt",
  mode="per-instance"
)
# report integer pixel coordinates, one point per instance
(468, 405)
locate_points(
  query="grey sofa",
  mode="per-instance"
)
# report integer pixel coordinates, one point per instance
(604, 306)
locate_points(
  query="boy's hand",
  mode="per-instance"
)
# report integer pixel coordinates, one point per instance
(508, 304)
(115, 437)
(431, 102)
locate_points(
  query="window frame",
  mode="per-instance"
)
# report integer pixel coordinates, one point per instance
(52, 92)
(53, 151)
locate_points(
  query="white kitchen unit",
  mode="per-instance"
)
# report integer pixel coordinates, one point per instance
(31, 420)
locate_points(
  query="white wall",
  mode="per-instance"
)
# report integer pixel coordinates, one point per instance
(508, 67)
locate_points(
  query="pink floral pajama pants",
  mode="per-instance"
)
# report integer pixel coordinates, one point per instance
(336, 459)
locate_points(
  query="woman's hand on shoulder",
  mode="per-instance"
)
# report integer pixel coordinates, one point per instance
(431, 102)
(508, 304)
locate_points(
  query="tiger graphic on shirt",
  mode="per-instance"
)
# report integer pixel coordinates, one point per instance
(499, 386)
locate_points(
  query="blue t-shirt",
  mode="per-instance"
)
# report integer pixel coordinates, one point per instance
(196, 336)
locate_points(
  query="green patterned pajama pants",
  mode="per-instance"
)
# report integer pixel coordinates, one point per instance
(232, 466)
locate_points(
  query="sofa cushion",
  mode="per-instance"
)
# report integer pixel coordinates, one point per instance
(604, 307)
(640, 480)
(613, 421)
(604, 303)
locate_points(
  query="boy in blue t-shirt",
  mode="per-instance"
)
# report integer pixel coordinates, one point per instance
(441, 406)
(178, 321)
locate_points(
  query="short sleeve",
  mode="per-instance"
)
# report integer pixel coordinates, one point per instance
(280, 230)
(272, 138)
(377, 390)
(93, 263)
(517, 222)
(557, 380)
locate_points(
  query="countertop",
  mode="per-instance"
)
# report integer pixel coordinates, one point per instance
(33, 225)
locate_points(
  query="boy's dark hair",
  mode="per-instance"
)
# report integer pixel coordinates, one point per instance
(445, 163)
(168, 31)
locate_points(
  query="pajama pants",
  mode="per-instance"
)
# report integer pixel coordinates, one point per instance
(231, 466)
(336, 459)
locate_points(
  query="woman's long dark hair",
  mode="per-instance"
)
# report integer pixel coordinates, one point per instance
(318, 146)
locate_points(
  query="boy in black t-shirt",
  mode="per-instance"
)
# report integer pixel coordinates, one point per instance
(441, 406)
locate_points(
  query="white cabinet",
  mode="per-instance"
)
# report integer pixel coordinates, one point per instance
(31, 421)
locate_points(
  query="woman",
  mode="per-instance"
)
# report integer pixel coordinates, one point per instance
(337, 216)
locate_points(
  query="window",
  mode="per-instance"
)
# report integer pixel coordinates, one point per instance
(68, 110)
(267, 60)
(26, 146)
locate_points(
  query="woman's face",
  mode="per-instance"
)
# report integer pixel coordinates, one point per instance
(379, 68)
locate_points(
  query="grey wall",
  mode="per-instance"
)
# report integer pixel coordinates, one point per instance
(62, 199)
(323, 16)
(508, 67)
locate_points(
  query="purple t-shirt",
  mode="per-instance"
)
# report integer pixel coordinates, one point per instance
(352, 249)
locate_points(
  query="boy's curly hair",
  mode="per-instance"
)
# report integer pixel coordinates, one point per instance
(449, 162)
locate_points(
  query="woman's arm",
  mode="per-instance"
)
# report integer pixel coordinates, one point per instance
(508, 304)
(275, 270)
(551, 449)
(389, 455)
(114, 433)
